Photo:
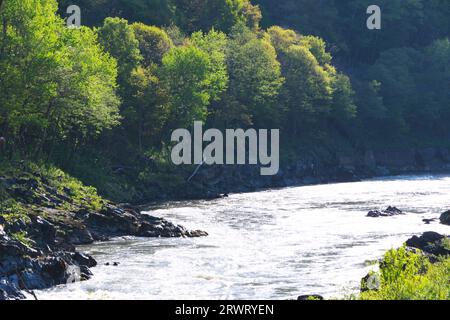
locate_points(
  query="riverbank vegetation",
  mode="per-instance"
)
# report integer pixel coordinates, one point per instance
(101, 101)
(408, 275)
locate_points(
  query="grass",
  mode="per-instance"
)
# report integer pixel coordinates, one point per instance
(22, 237)
(446, 243)
(12, 211)
(48, 179)
(26, 188)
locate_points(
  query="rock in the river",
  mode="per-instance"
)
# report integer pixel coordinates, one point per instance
(84, 259)
(445, 218)
(428, 221)
(374, 214)
(9, 290)
(430, 243)
(393, 211)
(310, 297)
(388, 212)
(371, 282)
(114, 222)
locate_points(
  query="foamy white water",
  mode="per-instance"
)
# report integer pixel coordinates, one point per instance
(275, 244)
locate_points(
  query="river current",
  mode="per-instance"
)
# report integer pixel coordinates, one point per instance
(275, 244)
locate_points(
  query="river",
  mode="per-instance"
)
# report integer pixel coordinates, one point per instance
(274, 244)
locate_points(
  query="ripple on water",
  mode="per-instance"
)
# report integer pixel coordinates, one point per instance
(273, 244)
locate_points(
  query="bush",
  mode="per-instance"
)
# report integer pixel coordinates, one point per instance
(408, 275)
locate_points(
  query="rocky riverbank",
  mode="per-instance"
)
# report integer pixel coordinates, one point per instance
(44, 214)
(319, 167)
(420, 270)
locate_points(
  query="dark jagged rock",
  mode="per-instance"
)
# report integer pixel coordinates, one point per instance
(445, 218)
(9, 290)
(25, 268)
(37, 246)
(84, 259)
(371, 282)
(115, 222)
(424, 240)
(388, 212)
(393, 211)
(428, 221)
(310, 297)
(431, 243)
(374, 214)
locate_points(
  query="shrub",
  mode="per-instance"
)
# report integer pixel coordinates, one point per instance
(408, 275)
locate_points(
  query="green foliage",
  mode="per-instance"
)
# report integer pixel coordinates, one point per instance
(81, 195)
(317, 47)
(413, 85)
(22, 237)
(44, 178)
(314, 91)
(255, 79)
(218, 14)
(146, 111)
(406, 275)
(56, 82)
(282, 39)
(190, 15)
(92, 103)
(186, 76)
(214, 44)
(13, 211)
(118, 38)
(308, 91)
(400, 264)
(397, 75)
(154, 43)
(405, 23)
(343, 104)
(445, 242)
(95, 99)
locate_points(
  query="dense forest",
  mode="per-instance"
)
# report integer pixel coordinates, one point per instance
(101, 101)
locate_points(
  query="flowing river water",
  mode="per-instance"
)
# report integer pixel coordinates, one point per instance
(274, 244)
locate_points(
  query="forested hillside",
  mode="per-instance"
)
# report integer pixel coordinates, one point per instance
(101, 101)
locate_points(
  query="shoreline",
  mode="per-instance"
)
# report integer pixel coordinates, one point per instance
(44, 217)
(214, 181)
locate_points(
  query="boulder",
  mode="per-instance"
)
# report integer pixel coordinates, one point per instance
(310, 297)
(84, 259)
(445, 218)
(393, 211)
(9, 290)
(388, 212)
(374, 214)
(371, 282)
(430, 243)
(428, 221)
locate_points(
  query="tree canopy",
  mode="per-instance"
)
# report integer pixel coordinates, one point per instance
(137, 69)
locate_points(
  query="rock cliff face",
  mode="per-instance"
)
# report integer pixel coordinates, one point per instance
(323, 168)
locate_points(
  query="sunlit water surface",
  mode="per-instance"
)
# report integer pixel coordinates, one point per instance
(273, 244)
